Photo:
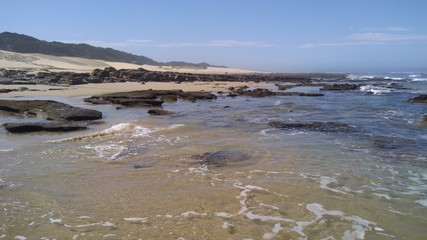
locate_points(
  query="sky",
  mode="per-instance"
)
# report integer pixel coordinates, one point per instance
(263, 35)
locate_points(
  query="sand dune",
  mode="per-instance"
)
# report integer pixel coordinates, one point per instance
(42, 62)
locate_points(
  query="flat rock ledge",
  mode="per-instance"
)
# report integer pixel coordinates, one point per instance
(314, 126)
(262, 92)
(60, 117)
(28, 127)
(147, 98)
(49, 110)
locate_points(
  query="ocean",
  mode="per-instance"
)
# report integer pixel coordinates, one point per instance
(137, 176)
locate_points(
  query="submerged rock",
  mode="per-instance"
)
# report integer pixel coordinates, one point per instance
(223, 157)
(314, 126)
(419, 99)
(261, 92)
(159, 112)
(341, 87)
(28, 127)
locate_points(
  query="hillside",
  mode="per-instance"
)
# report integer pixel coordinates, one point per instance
(21, 43)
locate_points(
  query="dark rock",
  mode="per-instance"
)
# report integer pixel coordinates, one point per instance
(137, 102)
(340, 87)
(50, 110)
(159, 112)
(314, 126)
(169, 98)
(424, 120)
(259, 92)
(42, 126)
(7, 90)
(301, 94)
(73, 114)
(419, 99)
(223, 157)
(193, 96)
(285, 87)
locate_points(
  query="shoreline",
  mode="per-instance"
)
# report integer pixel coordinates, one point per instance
(102, 88)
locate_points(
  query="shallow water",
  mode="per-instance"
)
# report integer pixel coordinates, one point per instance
(135, 177)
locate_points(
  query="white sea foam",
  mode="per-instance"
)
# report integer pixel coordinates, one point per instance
(422, 202)
(276, 229)
(115, 129)
(419, 79)
(135, 219)
(325, 181)
(382, 195)
(226, 225)
(394, 78)
(414, 75)
(189, 213)
(53, 220)
(376, 90)
(109, 151)
(224, 214)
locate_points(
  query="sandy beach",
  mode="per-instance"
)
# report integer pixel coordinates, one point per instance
(41, 62)
(101, 88)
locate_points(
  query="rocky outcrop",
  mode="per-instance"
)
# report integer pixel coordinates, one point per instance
(111, 74)
(61, 117)
(193, 96)
(147, 98)
(419, 99)
(49, 110)
(28, 127)
(340, 87)
(314, 126)
(261, 92)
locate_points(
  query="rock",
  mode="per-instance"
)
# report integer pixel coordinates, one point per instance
(314, 126)
(301, 94)
(5, 90)
(193, 96)
(50, 110)
(419, 99)
(159, 112)
(73, 114)
(138, 102)
(169, 98)
(340, 87)
(424, 120)
(223, 157)
(259, 92)
(27, 127)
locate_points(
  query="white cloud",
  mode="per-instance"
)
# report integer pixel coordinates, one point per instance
(384, 37)
(370, 38)
(333, 44)
(387, 29)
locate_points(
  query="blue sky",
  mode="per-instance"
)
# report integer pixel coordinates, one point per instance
(275, 35)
